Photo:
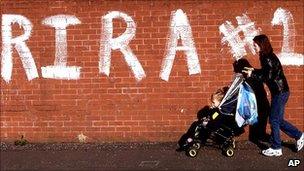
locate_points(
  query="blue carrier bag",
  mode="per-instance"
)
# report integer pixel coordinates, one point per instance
(246, 110)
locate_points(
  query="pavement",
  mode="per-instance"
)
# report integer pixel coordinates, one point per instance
(142, 156)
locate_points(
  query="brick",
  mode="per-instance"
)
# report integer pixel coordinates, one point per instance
(119, 108)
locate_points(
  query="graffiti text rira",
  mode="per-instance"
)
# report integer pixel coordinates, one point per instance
(179, 29)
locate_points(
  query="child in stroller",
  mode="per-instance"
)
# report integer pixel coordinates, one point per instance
(210, 125)
(217, 122)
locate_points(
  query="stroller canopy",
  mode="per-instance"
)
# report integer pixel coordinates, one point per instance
(240, 99)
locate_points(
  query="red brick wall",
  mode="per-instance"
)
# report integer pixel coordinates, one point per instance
(119, 108)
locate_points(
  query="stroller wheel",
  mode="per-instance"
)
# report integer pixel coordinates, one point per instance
(197, 145)
(192, 152)
(229, 152)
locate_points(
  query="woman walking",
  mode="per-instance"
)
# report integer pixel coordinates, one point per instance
(272, 74)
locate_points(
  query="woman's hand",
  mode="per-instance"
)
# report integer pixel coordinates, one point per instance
(248, 71)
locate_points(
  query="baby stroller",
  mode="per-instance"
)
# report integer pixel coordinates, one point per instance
(237, 109)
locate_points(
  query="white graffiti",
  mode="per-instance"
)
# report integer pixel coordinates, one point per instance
(249, 31)
(59, 70)
(19, 44)
(231, 35)
(180, 29)
(287, 56)
(107, 43)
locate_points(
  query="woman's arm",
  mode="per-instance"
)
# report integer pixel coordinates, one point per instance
(270, 69)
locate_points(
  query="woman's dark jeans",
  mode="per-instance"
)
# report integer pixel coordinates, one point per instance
(277, 121)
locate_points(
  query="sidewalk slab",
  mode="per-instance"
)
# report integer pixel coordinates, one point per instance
(140, 156)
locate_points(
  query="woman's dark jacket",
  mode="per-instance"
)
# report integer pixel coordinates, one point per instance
(272, 74)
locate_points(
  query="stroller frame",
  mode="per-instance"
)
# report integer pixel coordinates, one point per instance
(223, 137)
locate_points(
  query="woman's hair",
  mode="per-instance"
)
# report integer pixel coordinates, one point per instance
(219, 94)
(264, 44)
